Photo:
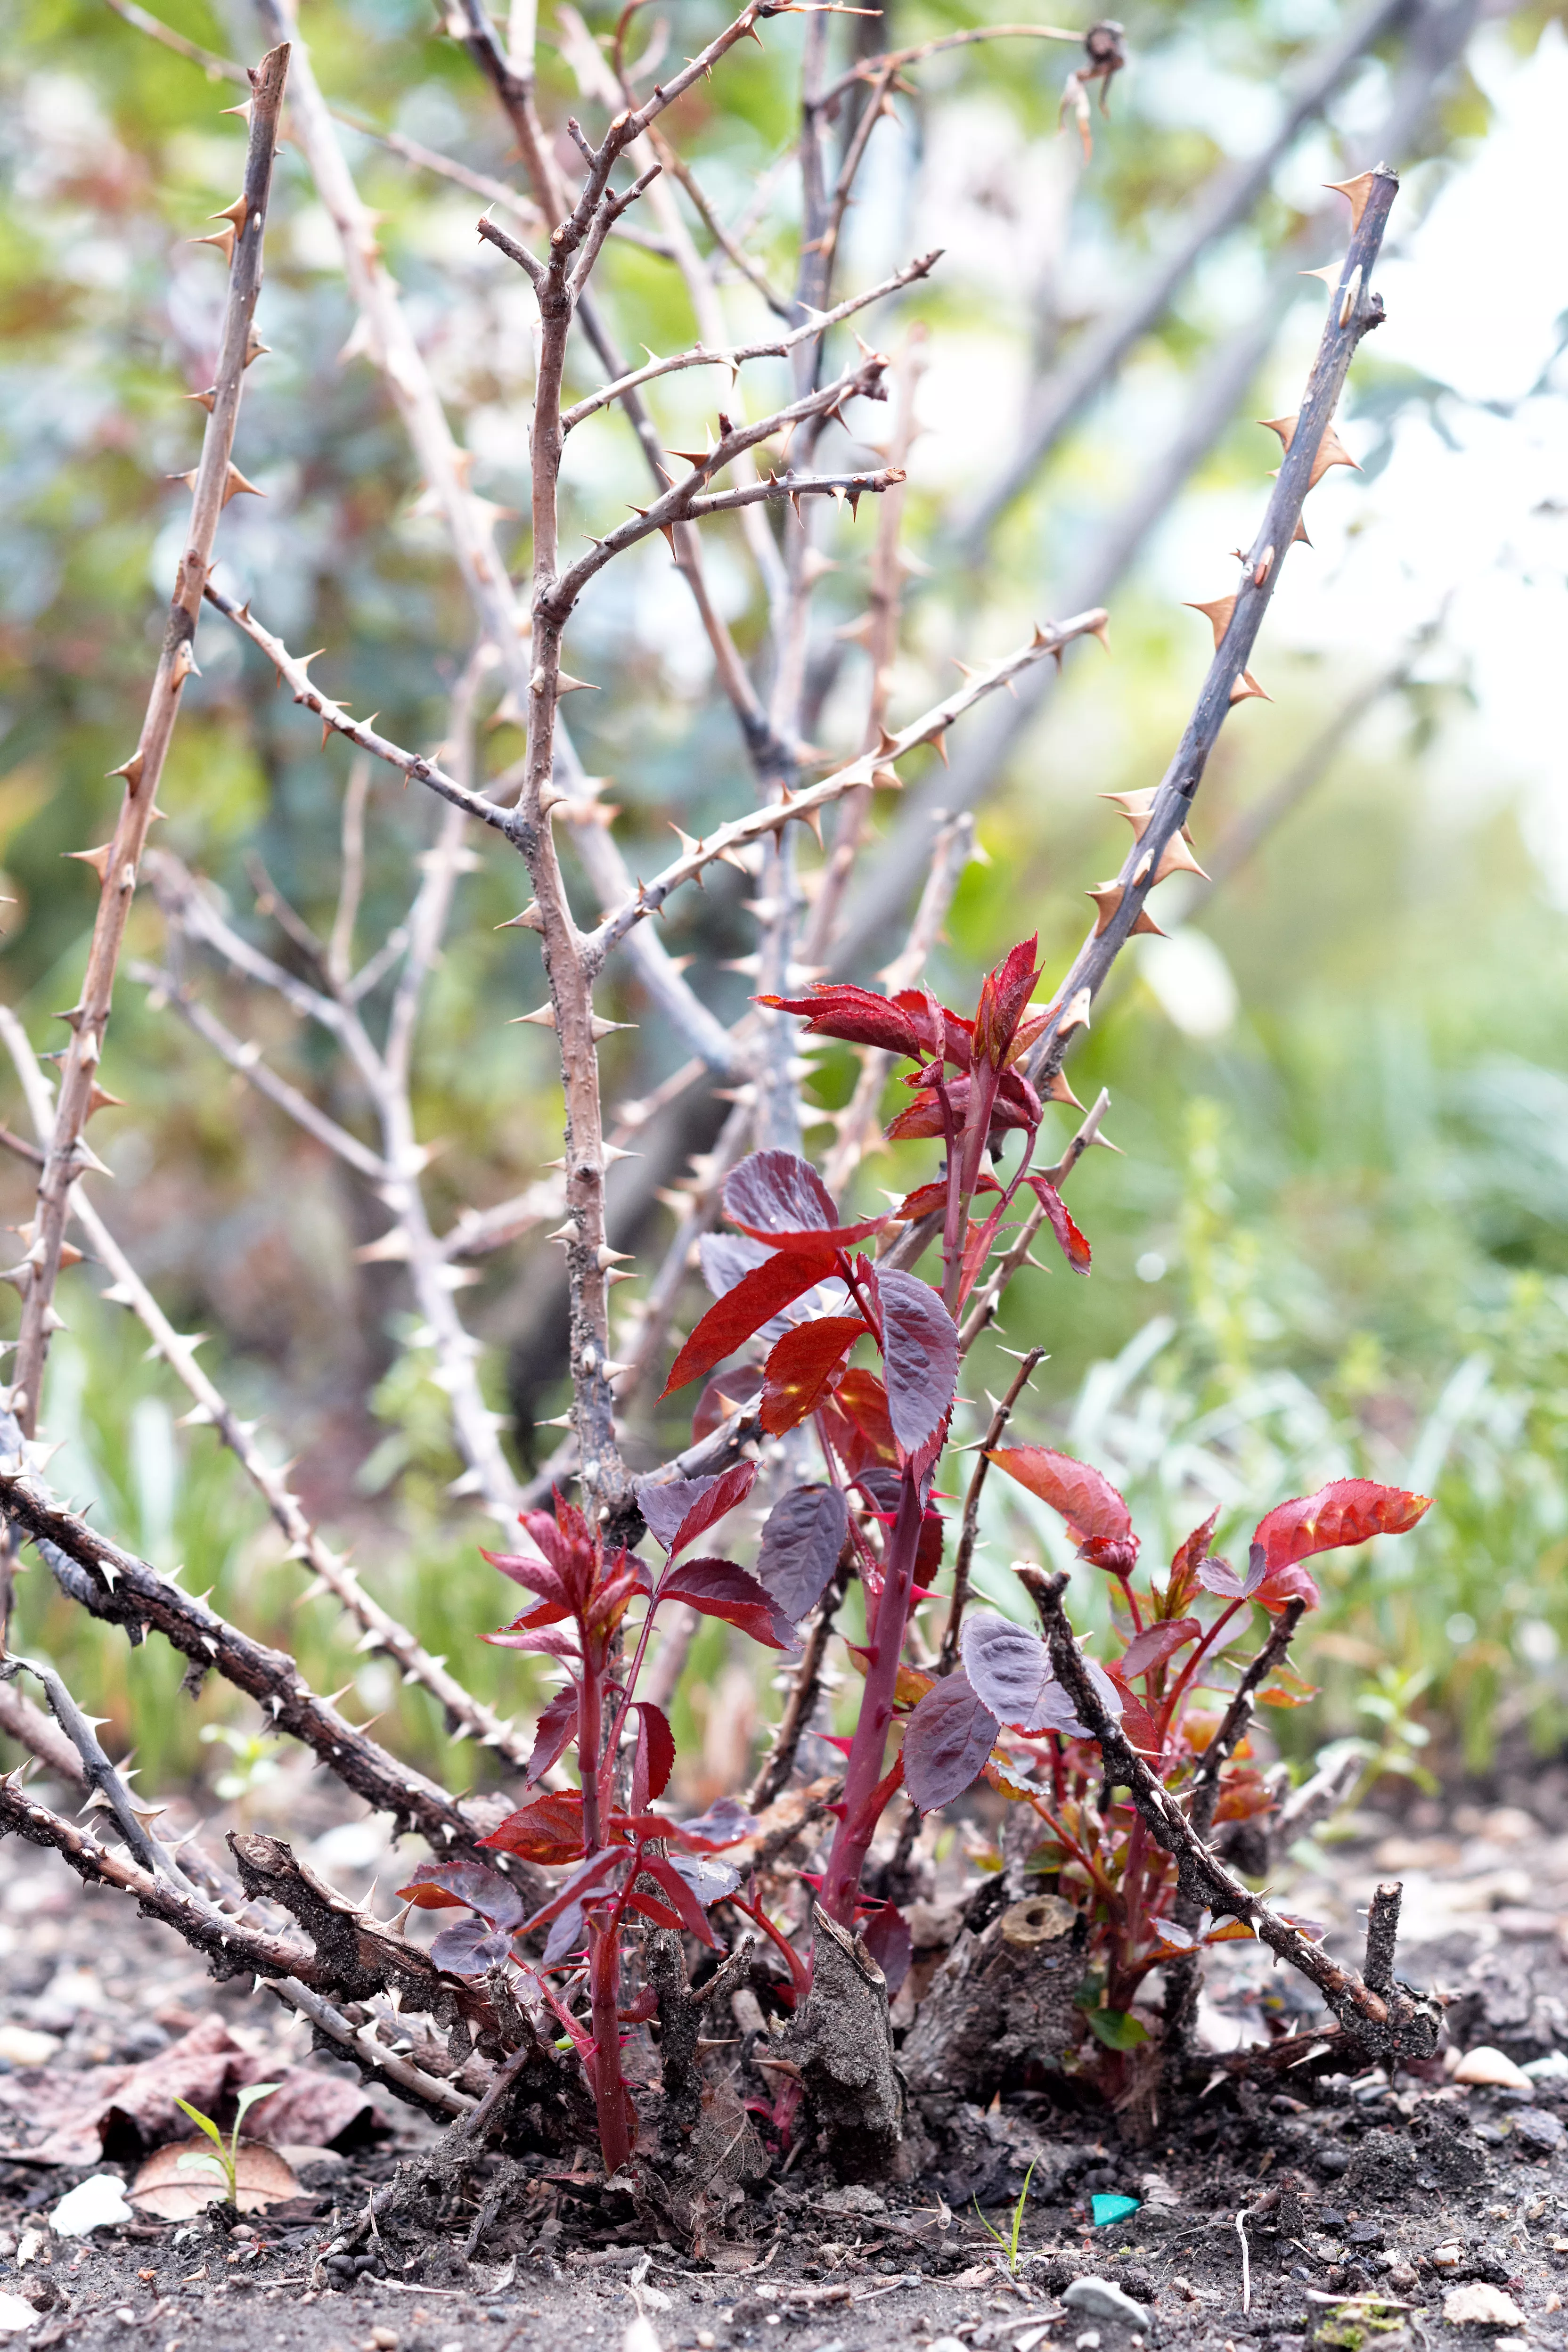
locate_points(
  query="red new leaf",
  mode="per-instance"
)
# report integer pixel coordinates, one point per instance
(552, 1732)
(1350, 1511)
(1075, 1248)
(717, 1587)
(857, 1014)
(800, 1366)
(549, 1829)
(856, 1421)
(756, 1298)
(1154, 1645)
(544, 1641)
(653, 1759)
(1188, 1560)
(1094, 1511)
(1002, 996)
(946, 1741)
(678, 1510)
(800, 1543)
(920, 1357)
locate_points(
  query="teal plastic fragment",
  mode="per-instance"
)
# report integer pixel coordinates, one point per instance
(1112, 2209)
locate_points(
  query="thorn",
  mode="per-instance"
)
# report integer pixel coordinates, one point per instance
(598, 1028)
(235, 486)
(1331, 274)
(544, 1018)
(1356, 192)
(567, 1233)
(605, 1256)
(130, 770)
(97, 858)
(567, 685)
(1331, 450)
(204, 399)
(1060, 1091)
(531, 919)
(223, 239)
(1076, 1015)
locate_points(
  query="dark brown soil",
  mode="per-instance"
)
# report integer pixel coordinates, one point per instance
(1354, 2188)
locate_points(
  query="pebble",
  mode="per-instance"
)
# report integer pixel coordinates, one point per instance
(1539, 2128)
(1481, 2307)
(1487, 2066)
(94, 2204)
(946, 2344)
(18, 2314)
(21, 2045)
(1102, 2300)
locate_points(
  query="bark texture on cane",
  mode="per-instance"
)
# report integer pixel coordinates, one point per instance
(214, 484)
(841, 2045)
(1001, 1999)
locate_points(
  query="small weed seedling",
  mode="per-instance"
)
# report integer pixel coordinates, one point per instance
(1009, 2244)
(222, 2166)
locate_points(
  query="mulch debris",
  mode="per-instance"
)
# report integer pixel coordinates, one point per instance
(1347, 2212)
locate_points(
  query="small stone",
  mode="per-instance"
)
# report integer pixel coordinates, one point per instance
(1100, 2299)
(21, 2045)
(1488, 2067)
(18, 2314)
(96, 2203)
(1481, 2307)
(1088, 2341)
(1538, 2129)
(383, 2340)
(946, 2344)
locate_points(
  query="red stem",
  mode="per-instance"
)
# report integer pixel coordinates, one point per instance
(863, 1798)
(1190, 1669)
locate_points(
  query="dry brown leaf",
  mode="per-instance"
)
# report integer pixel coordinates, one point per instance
(172, 2193)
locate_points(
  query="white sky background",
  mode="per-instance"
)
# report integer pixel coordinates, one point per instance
(1473, 293)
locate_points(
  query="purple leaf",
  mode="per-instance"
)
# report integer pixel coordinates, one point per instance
(485, 1891)
(1010, 1669)
(800, 1543)
(778, 1192)
(920, 1358)
(552, 1732)
(946, 1741)
(708, 1880)
(726, 1822)
(693, 1918)
(469, 1948)
(678, 1510)
(568, 1935)
(886, 1936)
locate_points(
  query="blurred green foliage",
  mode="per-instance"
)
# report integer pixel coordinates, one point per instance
(1338, 1239)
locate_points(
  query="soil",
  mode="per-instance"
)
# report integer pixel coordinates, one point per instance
(1360, 2187)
